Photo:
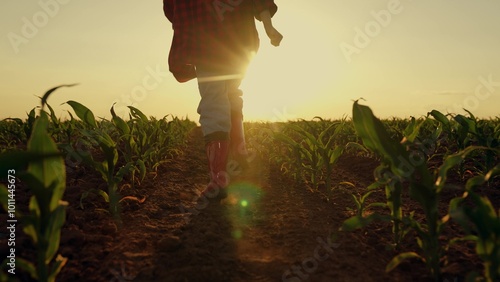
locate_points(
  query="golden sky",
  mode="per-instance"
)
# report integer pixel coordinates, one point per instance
(404, 57)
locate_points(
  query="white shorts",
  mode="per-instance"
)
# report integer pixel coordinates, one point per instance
(220, 95)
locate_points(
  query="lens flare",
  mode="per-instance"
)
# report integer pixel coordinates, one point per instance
(244, 203)
(237, 234)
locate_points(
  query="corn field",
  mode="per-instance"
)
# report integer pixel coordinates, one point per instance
(423, 157)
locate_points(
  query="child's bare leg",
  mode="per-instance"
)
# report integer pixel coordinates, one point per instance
(237, 136)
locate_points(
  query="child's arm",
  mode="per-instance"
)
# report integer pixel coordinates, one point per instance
(272, 33)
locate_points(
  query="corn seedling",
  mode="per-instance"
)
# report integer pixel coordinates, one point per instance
(402, 165)
(361, 201)
(481, 134)
(108, 167)
(157, 139)
(149, 142)
(315, 154)
(482, 224)
(129, 150)
(46, 179)
(466, 131)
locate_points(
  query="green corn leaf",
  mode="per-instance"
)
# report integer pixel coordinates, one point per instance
(47, 171)
(119, 122)
(410, 128)
(124, 170)
(53, 234)
(31, 225)
(467, 123)
(493, 172)
(53, 116)
(31, 116)
(112, 110)
(400, 258)
(331, 141)
(285, 139)
(83, 196)
(358, 222)
(356, 201)
(375, 185)
(327, 131)
(437, 115)
(19, 160)
(454, 241)
(149, 152)
(475, 182)
(71, 117)
(121, 125)
(366, 195)
(142, 169)
(103, 194)
(340, 127)
(484, 217)
(335, 154)
(100, 192)
(18, 121)
(49, 92)
(356, 146)
(42, 195)
(377, 205)
(459, 215)
(413, 129)
(107, 146)
(471, 116)
(28, 267)
(59, 262)
(138, 114)
(99, 167)
(375, 137)
(103, 168)
(83, 113)
(437, 132)
(309, 137)
(450, 162)
(427, 197)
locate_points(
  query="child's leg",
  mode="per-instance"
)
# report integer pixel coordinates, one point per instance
(237, 136)
(215, 120)
(235, 96)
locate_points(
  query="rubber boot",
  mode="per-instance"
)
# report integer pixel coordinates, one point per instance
(217, 153)
(239, 151)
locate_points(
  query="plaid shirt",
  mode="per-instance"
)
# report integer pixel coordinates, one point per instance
(219, 34)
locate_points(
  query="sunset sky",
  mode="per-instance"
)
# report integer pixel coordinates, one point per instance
(404, 58)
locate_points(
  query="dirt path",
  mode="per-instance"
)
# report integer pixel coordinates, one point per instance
(265, 231)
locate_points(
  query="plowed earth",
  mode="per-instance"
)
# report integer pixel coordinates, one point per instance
(269, 229)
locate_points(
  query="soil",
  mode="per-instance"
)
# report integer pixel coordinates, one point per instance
(268, 229)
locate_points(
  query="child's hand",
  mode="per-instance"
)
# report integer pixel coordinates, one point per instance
(274, 35)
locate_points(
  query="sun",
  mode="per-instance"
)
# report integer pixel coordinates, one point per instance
(278, 80)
